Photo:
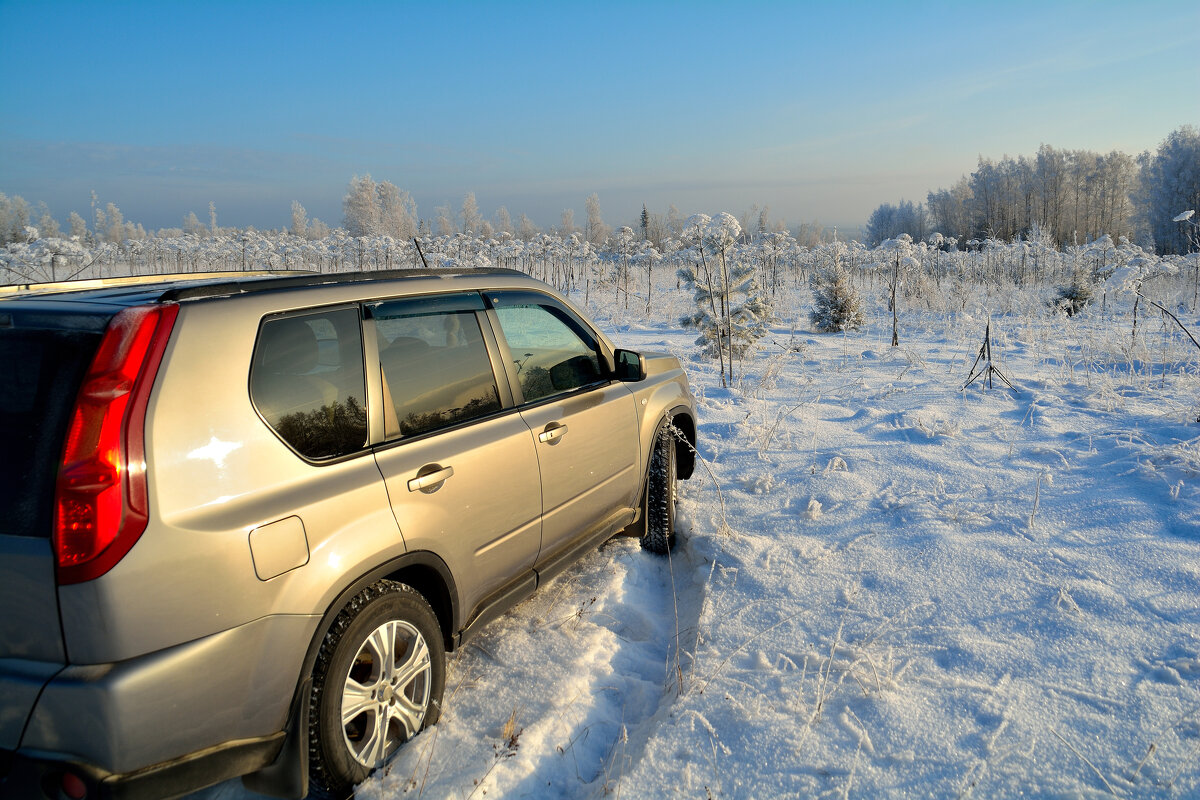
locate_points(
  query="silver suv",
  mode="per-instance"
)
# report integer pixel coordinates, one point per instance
(244, 516)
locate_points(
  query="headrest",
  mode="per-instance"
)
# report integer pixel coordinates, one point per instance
(289, 347)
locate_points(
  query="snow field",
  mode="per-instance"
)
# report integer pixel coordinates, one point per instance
(885, 586)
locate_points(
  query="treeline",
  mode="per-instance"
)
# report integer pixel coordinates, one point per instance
(374, 209)
(1063, 197)
(381, 209)
(627, 264)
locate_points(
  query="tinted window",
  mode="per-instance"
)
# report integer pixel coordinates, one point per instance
(40, 373)
(435, 365)
(308, 382)
(550, 349)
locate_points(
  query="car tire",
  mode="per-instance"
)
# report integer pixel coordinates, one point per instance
(377, 681)
(658, 499)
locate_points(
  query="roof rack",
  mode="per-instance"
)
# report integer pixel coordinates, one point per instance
(294, 280)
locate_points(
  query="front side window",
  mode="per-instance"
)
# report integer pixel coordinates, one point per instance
(308, 382)
(435, 365)
(551, 351)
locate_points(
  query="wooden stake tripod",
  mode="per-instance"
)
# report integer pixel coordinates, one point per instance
(990, 369)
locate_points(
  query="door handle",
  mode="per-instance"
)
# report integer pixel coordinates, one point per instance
(430, 481)
(552, 433)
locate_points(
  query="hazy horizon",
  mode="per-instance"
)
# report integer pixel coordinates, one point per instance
(819, 113)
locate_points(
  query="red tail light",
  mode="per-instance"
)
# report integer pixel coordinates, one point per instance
(101, 497)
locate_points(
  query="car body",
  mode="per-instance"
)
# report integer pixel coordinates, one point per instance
(209, 475)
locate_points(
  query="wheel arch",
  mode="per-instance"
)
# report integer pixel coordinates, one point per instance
(685, 451)
(424, 571)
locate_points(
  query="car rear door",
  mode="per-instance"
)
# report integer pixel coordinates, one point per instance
(583, 423)
(461, 470)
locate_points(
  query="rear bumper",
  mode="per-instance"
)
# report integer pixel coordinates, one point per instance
(167, 722)
(21, 681)
(30, 776)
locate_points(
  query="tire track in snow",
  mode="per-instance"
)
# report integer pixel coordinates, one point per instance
(597, 716)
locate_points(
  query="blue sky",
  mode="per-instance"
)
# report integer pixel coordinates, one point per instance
(820, 111)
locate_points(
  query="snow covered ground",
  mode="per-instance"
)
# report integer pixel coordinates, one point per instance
(885, 586)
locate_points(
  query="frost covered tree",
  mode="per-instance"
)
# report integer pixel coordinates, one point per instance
(624, 239)
(317, 230)
(1076, 195)
(595, 231)
(42, 259)
(647, 255)
(299, 226)
(1076, 295)
(899, 264)
(1191, 229)
(948, 209)
(731, 312)
(889, 222)
(46, 223)
(776, 248)
(674, 222)
(112, 227)
(371, 209)
(77, 226)
(397, 212)
(699, 277)
(566, 226)
(503, 221)
(1190, 226)
(445, 221)
(192, 225)
(472, 221)
(526, 230)
(837, 305)
(14, 218)
(360, 207)
(1171, 185)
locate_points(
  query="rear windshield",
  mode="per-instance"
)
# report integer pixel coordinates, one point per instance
(40, 373)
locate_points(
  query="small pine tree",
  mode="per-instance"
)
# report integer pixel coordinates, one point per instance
(747, 317)
(837, 305)
(731, 311)
(1074, 297)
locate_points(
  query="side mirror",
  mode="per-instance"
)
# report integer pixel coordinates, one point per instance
(631, 367)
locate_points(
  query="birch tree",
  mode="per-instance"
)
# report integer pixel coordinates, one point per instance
(360, 207)
(299, 226)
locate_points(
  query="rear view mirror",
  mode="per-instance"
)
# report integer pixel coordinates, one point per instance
(631, 367)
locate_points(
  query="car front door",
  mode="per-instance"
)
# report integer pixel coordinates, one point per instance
(582, 422)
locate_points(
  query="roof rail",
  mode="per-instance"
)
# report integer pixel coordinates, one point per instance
(136, 280)
(197, 285)
(293, 280)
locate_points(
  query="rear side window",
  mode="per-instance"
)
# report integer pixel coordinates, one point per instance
(307, 382)
(40, 372)
(434, 362)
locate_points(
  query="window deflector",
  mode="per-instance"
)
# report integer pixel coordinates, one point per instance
(436, 363)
